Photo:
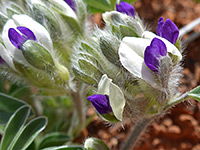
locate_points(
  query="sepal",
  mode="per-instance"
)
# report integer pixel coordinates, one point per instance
(37, 55)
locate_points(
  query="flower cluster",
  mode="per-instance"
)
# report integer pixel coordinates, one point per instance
(150, 61)
(126, 64)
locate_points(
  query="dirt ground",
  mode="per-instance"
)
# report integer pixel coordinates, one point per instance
(179, 129)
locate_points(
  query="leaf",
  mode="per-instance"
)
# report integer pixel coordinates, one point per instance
(99, 4)
(65, 148)
(8, 105)
(19, 91)
(195, 93)
(14, 125)
(29, 133)
(54, 139)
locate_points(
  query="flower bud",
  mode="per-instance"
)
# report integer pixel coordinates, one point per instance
(125, 24)
(37, 55)
(84, 77)
(42, 14)
(95, 144)
(61, 74)
(109, 46)
(126, 8)
(68, 15)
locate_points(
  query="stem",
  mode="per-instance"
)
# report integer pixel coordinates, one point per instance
(77, 98)
(139, 129)
(178, 100)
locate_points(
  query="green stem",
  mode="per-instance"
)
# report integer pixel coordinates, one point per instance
(178, 100)
(139, 129)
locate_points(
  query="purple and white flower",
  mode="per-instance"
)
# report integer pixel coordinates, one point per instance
(18, 30)
(141, 56)
(109, 98)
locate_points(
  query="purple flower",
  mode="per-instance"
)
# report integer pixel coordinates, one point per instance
(167, 30)
(101, 103)
(153, 53)
(1, 60)
(126, 8)
(71, 4)
(19, 36)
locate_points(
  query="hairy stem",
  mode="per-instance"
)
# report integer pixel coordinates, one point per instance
(139, 129)
(178, 100)
(79, 107)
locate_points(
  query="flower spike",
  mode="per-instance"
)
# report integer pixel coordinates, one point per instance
(126, 8)
(167, 30)
(153, 54)
(101, 103)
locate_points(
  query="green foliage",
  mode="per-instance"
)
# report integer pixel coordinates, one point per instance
(54, 139)
(8, 105)
(19, 133)
(195, 93)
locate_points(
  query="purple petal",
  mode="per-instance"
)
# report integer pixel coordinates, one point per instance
(27, 32)
(15, 38)
(159, 26)
(167, 30)
(71, 4)
(1, 60)
(101, 103)
(153, 53)
(126, 8)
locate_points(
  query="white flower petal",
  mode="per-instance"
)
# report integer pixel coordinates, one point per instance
(39, 31)
(11, 48)
(138, 45)
(6, 57)
(131, 53)
(117, 101)
(104, 84)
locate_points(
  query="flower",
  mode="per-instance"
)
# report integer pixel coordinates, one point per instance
(110, 98)
(16, 32)
(17, 39)
(71, 3)
(126, 8)
(138, 53)
(101, 103)
(167, 30)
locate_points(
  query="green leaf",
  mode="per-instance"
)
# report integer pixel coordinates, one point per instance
(99, 4)
(54, 139)
(8, 105)
(14, 125)
(195, 93)
(19, 91)
(65, 148)
(29, 133)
